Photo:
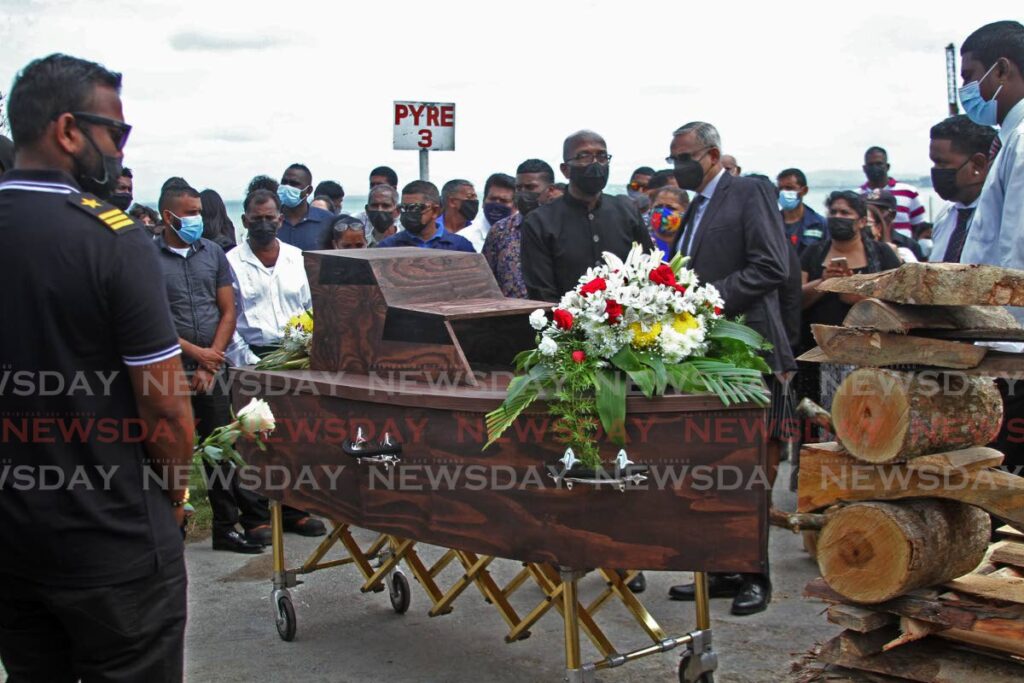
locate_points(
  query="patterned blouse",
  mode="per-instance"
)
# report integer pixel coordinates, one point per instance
(501, 249)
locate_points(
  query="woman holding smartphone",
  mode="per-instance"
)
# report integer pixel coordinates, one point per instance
(848, 251)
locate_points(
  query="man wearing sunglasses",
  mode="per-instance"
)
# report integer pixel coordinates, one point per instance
(420, 209)
(92, 573)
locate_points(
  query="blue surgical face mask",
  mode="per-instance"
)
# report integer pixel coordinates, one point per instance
(290, 196)
(789, 199)
(983, 112)
(191, 228)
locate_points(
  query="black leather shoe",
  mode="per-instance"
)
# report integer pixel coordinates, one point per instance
(719, 586)
(260, 535)
(638, 584)
(306, 526)
(236, 543)
(753, 597)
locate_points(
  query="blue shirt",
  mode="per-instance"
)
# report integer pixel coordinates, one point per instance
(811, 228)
(308, 234)
(996, 236)
(442, 239)
(707, 193)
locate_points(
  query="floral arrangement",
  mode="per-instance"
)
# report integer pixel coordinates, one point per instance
(293, 352)
(640, 321)
(255, 421)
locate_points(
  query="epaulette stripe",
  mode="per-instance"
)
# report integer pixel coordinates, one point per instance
(120, 224)
(110, 214)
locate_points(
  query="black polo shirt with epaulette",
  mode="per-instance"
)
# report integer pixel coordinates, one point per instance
(81, 300)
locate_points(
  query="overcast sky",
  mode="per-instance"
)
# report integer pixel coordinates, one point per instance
(219, 91)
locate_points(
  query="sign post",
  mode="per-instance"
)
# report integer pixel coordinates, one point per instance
(424, 126)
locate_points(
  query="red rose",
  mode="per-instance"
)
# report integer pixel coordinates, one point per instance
(663, 275)
(579, 356)
(680, 288)
(718, 310)
(614, 310)
(596, 285)
(563, 318)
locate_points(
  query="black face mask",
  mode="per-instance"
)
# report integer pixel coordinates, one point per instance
(262, 232)
(121, 200)
(841, 229)
(688, 174)
(380, 220)
(413, 221)
(875, 173)
(527, 201)
(495, 212)
(944, 182)
(589, 179)
(99, 177)
(469, 208)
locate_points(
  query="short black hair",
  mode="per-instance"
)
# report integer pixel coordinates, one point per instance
(126, 172)
(499, 180)
(261, 196)
(331, 189)
(537, 166)
(995, 40)
(855, 200)
(138, 211)
(449, 187)
(578, 137)
(643, 170)
(795, 172)
(425, 188)
(873, 149)
(561, 187)
(173, 191)
(6, 153)
(262, 182)
(174, 181)
(388, 173)
(303, 168)
(964, 135)
(659, 179)
(49, 87)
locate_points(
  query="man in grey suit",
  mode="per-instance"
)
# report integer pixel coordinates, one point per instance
(735, 239)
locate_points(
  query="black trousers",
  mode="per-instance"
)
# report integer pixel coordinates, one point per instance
(123, 633)
(227, 498)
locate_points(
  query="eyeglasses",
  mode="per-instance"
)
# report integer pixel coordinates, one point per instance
(119, 130)
(684, 157)
(635, 186)
(413, 208)
(587, 158)
(342, 226)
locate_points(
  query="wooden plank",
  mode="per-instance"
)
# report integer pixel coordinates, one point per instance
(866, 644)
(990, 587)
(1007, 646)
(1008, 552)
(866, 347)
(911, 630)
(859, 619)
(828, 478)
(936, 284)
(1008, 532)
(997, 364)
(960, 322)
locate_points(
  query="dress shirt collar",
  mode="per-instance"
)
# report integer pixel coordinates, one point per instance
(195, 246)
(709, 191)
(972, 205)
(1012, 121)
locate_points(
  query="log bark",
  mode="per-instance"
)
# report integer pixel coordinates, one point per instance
(964, 322)
(936, 284)
(884, 416)
(870, 348)
(873, 552)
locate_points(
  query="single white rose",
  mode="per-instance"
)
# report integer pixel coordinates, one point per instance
(539, 319)
(548, 347)
(256, 418)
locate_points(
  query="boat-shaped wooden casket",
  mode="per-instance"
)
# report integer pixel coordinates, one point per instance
(417, 344)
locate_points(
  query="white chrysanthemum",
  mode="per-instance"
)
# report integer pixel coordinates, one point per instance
(539, 319)
(548, 347)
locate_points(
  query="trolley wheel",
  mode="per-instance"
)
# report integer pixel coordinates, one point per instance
(286, 622)
(683, 678)
(399, 592)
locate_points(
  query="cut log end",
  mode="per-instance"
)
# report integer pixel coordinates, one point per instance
(871, 416)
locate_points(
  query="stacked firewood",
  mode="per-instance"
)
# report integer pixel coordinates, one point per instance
(903, 496)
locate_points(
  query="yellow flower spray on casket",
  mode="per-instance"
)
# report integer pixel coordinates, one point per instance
(254, 421)
(293, 352)
(640, 321)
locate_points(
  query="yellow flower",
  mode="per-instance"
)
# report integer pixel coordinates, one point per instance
(685, 321)
(306, 321)
(644, 339)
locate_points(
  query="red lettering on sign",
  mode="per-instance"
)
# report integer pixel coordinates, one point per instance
(401, 111)
(448, 116)
(426, 138)
(432, 113)
(416, 113)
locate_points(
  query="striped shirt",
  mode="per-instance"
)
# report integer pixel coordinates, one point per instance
(909, 210)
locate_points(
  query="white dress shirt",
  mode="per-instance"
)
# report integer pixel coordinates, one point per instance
(945, 223)
(707, 193)
(265, 298)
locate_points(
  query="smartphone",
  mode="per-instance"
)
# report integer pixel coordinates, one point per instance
(839, 262)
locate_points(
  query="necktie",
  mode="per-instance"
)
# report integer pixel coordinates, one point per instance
(684, 244)
(959, 236)
(994, 149)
